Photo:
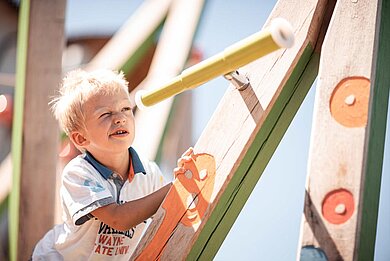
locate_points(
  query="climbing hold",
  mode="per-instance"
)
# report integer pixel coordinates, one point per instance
(349, 101)
(338, 206)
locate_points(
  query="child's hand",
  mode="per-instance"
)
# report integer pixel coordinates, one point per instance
(186, 157)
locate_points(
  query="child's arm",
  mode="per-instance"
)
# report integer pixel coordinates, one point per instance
(128, 215)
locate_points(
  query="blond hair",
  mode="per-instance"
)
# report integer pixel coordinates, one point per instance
(77, 87)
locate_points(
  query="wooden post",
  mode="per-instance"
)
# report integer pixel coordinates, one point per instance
(345, 161)
(241, 137)
(35, 132)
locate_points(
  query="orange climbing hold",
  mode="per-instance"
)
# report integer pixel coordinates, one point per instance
(349, 101)
(338, 206)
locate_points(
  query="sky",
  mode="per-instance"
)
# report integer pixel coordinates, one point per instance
(268, 227)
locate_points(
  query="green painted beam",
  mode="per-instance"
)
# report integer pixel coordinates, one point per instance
(257, 158)
(376, 136)
(17, 129)
(140, 53)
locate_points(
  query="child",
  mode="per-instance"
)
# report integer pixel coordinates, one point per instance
(108, 192)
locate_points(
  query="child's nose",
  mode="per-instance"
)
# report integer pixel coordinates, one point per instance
(120, 119)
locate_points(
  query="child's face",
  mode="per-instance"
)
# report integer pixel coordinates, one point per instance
(109, 124)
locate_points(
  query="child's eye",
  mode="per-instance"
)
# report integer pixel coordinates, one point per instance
(105, 114)
(126, 109)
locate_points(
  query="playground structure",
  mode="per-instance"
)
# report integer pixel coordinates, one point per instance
(341, 198)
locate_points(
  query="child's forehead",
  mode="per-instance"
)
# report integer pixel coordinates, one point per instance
(106, 99)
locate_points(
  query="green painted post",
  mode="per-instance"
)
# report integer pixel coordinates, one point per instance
(17, 130)
(373, 160)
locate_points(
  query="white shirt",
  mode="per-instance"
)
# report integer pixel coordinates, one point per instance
(86, 186)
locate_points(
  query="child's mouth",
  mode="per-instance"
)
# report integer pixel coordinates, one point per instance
(120, 133)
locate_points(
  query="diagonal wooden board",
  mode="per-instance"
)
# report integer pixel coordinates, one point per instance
(245, 130)
(345, 161)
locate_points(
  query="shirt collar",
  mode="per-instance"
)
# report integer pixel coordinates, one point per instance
(106, 172)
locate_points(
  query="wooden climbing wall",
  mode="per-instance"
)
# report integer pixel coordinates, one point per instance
(240, 137)
(344, 176)
(345, 162)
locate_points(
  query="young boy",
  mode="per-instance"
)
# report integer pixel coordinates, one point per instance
(109, 191)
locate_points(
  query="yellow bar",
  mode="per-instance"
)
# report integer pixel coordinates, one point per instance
(245, 51)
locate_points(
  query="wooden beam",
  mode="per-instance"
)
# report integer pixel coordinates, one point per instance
(169, 60)
(344, 169)
(241, 137)
(134, 38)
(35, 132)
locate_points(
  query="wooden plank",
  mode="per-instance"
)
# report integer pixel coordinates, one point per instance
(169, 59)
(239, 134)
(133, 39)
(35, 132)
(340, 137)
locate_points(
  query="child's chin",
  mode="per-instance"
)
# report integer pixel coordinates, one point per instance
(120, 146)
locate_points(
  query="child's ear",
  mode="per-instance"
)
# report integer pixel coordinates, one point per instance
(79, 139)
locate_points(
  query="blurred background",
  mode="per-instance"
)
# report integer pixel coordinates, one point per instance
(269, 224)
